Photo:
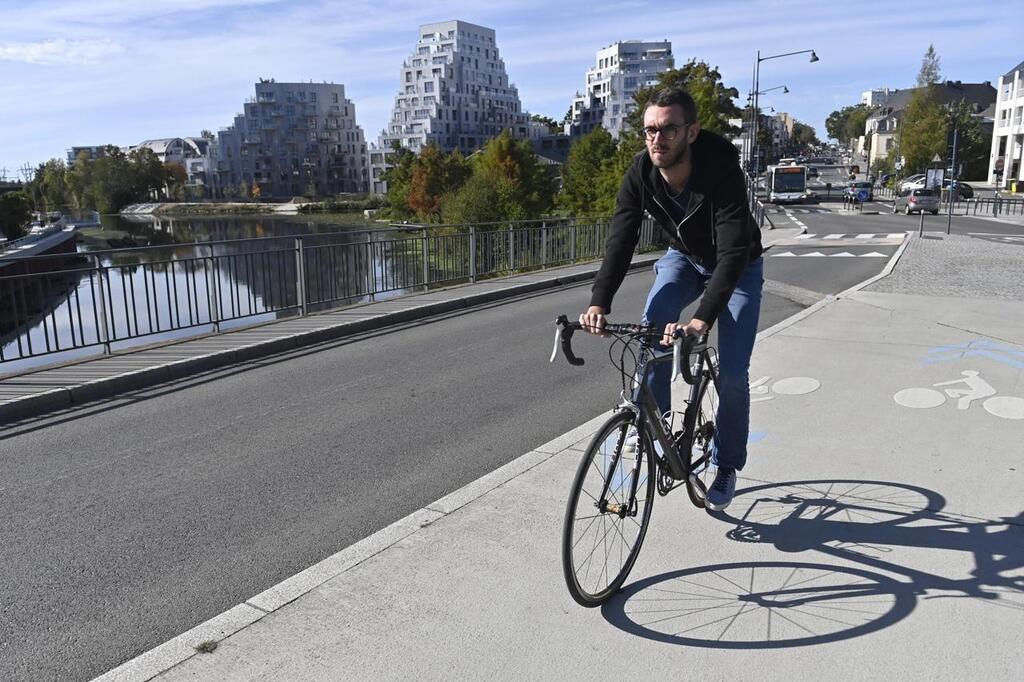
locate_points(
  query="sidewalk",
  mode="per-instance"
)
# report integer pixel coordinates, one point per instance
(877, 532)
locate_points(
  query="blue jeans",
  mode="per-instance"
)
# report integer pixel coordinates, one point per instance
(678, 282)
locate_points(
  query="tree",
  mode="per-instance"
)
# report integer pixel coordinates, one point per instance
(924, 130)
(835, 124)
(15, 211)
(434, 176)
(804, 135)
(581, 175)
(714, 101)
(925, 120)
(973, 144)
(477, 201)
(526, 189)
(554, 126)
(175, 177)
(79, 181)
(929, 74)
(855, 122)
(398, 178)
(50, 186)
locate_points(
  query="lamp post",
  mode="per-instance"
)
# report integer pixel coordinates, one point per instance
(757, 82)
(752, 114)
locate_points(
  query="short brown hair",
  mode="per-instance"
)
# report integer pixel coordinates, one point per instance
(666, 97)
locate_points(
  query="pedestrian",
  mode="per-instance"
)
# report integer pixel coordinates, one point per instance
(690, 181)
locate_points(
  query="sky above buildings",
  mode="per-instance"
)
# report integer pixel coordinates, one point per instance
(91, 72)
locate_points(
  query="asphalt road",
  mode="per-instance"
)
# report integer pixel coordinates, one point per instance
(129, 521)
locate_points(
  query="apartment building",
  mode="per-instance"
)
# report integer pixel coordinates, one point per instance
(1006, 161)
(618, 72)
(293, 139)
(454, 92)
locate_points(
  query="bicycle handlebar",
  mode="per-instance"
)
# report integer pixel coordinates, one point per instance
(688, 344)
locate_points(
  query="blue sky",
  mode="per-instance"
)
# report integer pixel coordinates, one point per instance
(82, 72)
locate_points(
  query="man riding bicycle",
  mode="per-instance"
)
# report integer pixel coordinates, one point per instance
(689, 180)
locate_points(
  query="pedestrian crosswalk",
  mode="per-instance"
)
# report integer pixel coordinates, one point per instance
(890, 235)
(818, 254)
(837, 239)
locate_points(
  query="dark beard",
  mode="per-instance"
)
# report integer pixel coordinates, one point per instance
(674, 159)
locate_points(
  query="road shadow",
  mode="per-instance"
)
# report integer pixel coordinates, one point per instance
(859, 524)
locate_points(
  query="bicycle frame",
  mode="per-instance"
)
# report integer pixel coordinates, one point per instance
(647, 411)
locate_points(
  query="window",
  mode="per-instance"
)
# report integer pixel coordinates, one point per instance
(428, 86)
(335, 96)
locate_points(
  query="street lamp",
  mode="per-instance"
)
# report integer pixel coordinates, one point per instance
(751, 113)
(757, 81)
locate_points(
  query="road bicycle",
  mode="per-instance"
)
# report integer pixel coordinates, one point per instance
(636, 451)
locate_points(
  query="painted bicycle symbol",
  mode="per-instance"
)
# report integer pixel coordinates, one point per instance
(967, 390)
(787, 386)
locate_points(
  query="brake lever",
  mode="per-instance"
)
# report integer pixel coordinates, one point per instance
(563, 334)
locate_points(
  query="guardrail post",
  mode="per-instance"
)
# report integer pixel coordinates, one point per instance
(371, 273)
(572, 242)
(511, 248)
(104, 331)
(543, 244)
(995, 206)
(426, 260)
(472, 254)
(300, 275)
(213, 289)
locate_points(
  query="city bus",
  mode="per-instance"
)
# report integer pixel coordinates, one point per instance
(787, 184)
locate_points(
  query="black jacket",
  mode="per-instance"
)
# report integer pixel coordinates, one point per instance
(718, 231)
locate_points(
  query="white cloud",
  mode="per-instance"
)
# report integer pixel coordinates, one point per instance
(60, 51)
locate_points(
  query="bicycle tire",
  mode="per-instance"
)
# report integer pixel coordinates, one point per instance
(698, 456)
(578, 552)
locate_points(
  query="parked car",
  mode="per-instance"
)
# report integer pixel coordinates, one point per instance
(912, 182)
(854, 187)
(813, 172)
(965, 190)
(916, 200)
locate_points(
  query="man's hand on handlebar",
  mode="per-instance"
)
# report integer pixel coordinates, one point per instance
(694, 327)
(593, 320)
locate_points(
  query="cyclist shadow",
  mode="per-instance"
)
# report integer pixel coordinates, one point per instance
(777, 604)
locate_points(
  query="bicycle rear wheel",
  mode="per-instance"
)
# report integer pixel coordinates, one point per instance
(699, 454)
(601, 536)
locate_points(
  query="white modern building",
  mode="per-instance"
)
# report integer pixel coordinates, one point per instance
(618, 72)
(877, 98)
(454, 92)
(1006, 162)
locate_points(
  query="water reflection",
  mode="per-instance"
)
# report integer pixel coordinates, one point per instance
(183, 287)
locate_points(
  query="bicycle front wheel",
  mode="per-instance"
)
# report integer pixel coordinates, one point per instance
(699, 456)
(608, 512)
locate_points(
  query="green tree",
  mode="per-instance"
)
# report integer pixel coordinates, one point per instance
(477, 201)
(925, 120)
(50, 185)
(973, 144)
(714, 100)
(399, 178)
(15, 211)
(581, 175)
(929, 73)
(175, 178)
(554, 126)
(835, 124)
(855, 121)
(804, 135)
(79, 181)
(526, 188)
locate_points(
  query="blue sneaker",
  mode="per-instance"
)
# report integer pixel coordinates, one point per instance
(722, 489)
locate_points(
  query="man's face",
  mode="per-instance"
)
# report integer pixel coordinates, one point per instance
(669, 122)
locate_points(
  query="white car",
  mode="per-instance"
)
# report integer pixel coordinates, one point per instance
(913, 182)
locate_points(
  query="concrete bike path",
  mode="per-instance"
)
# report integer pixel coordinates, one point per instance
(868, 538)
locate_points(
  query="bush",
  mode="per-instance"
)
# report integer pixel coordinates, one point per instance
(15, 211)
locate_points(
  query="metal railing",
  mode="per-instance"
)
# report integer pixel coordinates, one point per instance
(59, 302)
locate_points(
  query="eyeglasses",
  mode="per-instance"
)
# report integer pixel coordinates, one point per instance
(668, 133)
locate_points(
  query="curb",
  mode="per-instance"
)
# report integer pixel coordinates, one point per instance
(35, 404)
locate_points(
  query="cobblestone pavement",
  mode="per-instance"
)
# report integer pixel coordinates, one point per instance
(950, 265)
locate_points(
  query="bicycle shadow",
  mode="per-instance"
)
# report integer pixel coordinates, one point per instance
(777, 604)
